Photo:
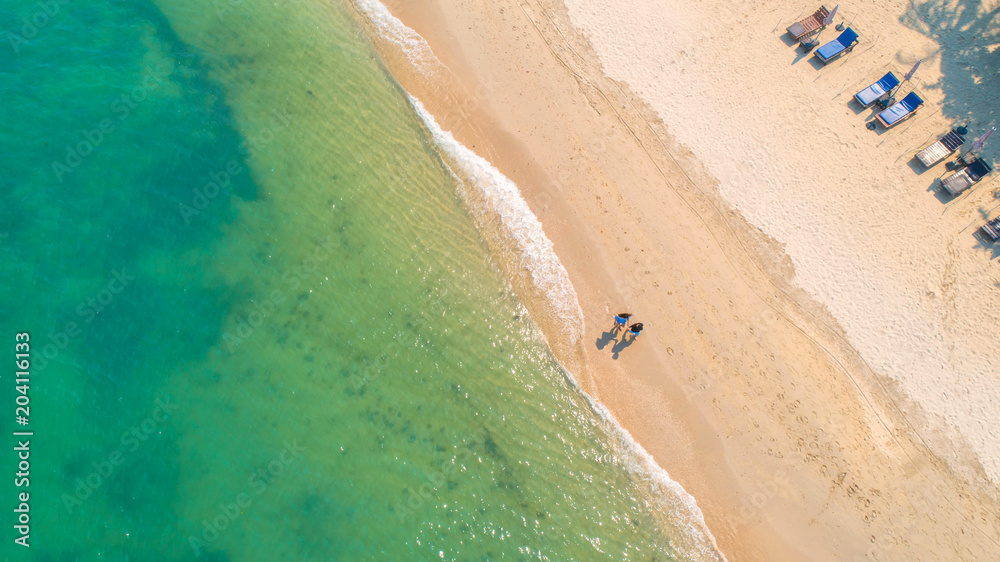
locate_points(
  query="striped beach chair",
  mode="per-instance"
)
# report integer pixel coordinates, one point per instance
(941, 149)
(992, 229)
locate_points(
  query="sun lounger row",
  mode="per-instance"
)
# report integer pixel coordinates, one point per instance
(966, 177)
(880, 90)
(940, 150)
(992, 229)
(882, 94)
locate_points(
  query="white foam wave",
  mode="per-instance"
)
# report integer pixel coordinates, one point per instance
(391, 29)
(503, 199)
(700, 543)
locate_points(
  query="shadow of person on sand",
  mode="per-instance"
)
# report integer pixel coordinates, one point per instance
(620, 346)
(605, 339)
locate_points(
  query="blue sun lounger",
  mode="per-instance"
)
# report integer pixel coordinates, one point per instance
(868, 96)
(838, 46)
(900, 110)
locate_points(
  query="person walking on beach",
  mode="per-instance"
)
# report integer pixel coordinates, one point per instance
(635, 330)
(620, 321)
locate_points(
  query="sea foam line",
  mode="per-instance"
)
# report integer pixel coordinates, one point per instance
(391, 29)
(503, 198)
(643, 467)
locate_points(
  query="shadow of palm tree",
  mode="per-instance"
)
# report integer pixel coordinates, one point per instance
(970, 65)
(967, 32)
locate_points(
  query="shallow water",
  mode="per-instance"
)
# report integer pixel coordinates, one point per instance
(264, 324)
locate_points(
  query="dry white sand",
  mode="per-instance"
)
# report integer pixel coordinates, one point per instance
(896, 264)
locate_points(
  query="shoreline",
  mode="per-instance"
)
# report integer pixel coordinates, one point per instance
(704, 373)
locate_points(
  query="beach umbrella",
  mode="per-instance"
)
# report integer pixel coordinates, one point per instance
(826, 21)
(906, 78)
(978, 143)
(829, 18)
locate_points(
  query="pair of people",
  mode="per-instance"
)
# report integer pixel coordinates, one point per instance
(621, 322)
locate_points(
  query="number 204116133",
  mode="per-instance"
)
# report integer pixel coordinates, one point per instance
(22, 360)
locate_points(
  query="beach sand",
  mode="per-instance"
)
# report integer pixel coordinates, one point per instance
(815, 369)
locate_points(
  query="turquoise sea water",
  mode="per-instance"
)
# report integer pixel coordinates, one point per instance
(263, 325)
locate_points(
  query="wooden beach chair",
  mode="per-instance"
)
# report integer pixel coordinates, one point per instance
(966, 177)
(992, 229)
(800, 29)
(900, 111)
(836, 48)
(941, 149)
(872, 93)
